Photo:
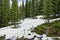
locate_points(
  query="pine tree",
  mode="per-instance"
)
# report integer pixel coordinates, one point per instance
(50, 8)
(14, 13)
(5, 13)
(37, 8)
(23, 13)
(0, 10)
(0, 6)
(58, 7)
(40, 7)
(55, 6)
(36, 3)
(30, 8)
(33, 7)
(20, 11)
(26, 9)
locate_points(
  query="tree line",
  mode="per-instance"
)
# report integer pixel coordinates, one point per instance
(30, 9)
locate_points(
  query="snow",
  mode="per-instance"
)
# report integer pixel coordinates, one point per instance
(44, 37)
(31, 23)
(23, 29)
(26, 27)
(40, 16)
(36, 38)
(49, 38)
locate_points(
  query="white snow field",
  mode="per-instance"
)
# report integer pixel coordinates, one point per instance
(23, 29)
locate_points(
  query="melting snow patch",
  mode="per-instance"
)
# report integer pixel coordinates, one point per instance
(26, 26)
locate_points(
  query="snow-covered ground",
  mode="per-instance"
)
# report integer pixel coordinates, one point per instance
(31, 23)
(23, 29)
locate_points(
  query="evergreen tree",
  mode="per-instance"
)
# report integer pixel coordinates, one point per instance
(27, 9)
(20, 11)
(55, 6)
(23, 13)
(15, 16)
(40, 7)
(4, 13)
(33, 7)
(58, 6)
(0, 10)
(36, 3)
(47, 9)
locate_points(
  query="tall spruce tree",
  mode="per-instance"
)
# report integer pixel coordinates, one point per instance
(36, 3)
(27, 9)
(4, 13)
(23, 10)
(14, 12)
(20, 11)
(40, 7)
(30, 5)
(58, 6)
(33, 7)
(0, 11)
(55, 6)
(46, 9)
(49, 10)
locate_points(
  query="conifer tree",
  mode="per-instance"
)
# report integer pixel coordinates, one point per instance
(23, 10)
(46, 9)
(30, 8)
(55, 6)
(27, 9)
(15, 16)
(40, 7)
(4, 13)
(0, 11)
(58, 7)
(33, 7)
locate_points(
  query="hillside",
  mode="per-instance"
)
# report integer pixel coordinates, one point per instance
(51, 29)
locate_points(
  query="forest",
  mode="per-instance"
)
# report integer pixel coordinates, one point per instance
(12, 14)
(31, 8)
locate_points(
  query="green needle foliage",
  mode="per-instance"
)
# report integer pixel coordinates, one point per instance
(2, 38)
(14, 10)
(4, 14)
(51, 29)
(31, 8)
